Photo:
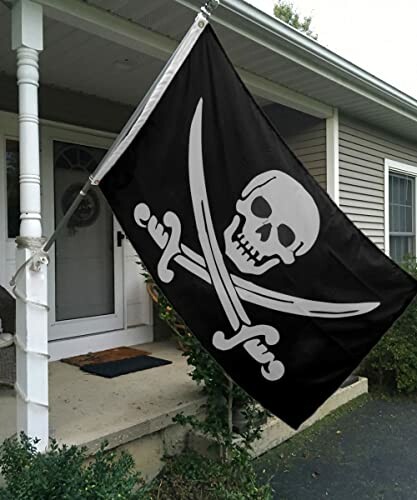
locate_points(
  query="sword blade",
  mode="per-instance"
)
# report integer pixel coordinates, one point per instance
(297, 305)
(270, 299)
(214, 259)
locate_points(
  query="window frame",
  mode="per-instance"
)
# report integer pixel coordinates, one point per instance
(396, 167)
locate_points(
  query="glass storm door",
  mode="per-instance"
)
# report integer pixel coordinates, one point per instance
(88, 255)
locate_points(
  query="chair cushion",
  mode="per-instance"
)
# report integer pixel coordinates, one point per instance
(7, 311)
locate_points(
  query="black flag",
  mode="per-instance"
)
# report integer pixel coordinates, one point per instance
(274, 280)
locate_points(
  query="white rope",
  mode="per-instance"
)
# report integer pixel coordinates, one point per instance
(29, 351)
(38, 258)
(27, 400)
(19, 270)
(24, 299)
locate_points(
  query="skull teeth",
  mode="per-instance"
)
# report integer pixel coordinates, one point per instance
(245, 248)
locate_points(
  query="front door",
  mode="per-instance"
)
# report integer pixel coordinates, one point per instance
(86, 292)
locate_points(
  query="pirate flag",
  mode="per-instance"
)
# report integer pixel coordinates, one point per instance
(269, 274)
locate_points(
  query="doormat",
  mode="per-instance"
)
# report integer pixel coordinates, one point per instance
(113, 369)
(116, 354)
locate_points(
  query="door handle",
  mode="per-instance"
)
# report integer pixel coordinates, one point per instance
(120, 238)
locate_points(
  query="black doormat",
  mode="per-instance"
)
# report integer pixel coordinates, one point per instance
(113, 369)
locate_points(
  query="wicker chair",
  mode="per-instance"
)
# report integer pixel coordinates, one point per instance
(7, 354)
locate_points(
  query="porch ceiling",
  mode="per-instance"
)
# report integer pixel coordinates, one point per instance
(91, 63)
(76, 60)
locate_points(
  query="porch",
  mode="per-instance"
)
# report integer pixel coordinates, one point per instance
(79, 113)
(135, 411)
(86, 409)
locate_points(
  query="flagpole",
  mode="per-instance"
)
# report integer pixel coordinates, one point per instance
(67, 216)
(137, 119)
(162, 83)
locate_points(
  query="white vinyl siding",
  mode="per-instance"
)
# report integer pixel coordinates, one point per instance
(309, 146)
(305, 135)
(362, 155)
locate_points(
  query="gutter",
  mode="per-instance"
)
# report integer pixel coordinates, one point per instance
(277, 36)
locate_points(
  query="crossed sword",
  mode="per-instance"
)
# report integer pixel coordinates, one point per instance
(230, 289)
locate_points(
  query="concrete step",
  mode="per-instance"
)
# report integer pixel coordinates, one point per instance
(275, 431)
(135, 412)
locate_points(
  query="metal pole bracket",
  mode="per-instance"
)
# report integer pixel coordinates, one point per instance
(208, 8)
(40, 259)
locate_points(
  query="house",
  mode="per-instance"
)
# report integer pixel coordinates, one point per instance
(90, 63)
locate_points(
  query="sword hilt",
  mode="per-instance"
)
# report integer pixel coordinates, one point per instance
(272, 369)
(246, 332)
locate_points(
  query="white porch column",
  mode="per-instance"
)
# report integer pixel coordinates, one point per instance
(31, 283)
(332, 156)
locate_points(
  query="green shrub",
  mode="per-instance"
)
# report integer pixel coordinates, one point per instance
(221, 393)
(66, 473)
(393, 361)
(231, 476)
(193, 477)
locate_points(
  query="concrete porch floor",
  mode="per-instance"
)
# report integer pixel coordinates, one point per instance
(85, 409)
(134, 412)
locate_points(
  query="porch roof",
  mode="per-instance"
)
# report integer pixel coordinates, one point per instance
(118, 47)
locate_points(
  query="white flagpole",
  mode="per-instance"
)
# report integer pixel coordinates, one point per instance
(156, 92)
(141, 113)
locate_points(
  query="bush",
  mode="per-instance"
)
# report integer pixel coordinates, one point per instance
(62, 473)
(193, 477)
(223, 396)
(393, 361)
(231, 476)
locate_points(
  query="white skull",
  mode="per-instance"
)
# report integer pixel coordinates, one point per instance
(277, 220)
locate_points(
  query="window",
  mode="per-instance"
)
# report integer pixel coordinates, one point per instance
(400, 210)
(401, 216)
(13, 195)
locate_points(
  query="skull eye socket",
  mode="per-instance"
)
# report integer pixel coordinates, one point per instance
(286, 235)
(261, 208)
